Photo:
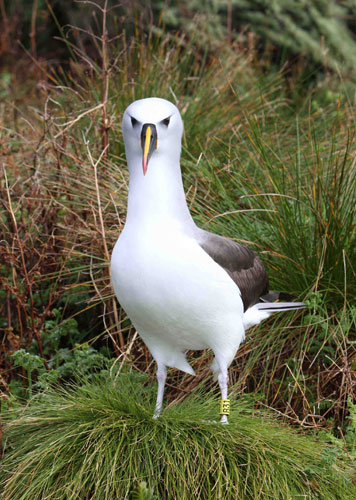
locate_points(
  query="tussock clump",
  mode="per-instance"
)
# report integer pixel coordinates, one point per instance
(99, 440)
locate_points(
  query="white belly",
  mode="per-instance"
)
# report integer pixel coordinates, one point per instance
(174, 292)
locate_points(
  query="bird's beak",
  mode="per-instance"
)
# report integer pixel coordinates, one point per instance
(149, 143)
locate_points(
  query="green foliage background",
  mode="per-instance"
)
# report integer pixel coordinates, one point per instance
(268, 159)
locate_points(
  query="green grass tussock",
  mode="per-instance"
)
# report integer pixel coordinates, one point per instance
(98, 440)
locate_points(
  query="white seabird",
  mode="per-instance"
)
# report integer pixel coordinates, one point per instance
(182, 287)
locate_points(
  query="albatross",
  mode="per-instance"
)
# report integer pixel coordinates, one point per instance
(183, 288)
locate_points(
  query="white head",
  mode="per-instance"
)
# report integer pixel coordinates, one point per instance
(152, 128)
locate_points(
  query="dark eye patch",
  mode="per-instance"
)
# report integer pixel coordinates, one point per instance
(166, 121)
(133, 121)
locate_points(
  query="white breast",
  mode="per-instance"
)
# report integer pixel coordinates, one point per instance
(174, 292)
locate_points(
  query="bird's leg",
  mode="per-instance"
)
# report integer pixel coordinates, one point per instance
(161, 378)
(223, 379)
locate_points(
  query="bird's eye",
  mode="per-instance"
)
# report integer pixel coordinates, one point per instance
(133, 121)
(166, 121)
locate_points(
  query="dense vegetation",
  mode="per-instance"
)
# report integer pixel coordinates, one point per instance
(97, 439)
(268, 159)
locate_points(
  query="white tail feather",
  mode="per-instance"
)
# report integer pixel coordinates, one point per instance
(263, 310)
(280, 306)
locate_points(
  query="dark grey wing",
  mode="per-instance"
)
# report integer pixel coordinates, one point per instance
(240, 262)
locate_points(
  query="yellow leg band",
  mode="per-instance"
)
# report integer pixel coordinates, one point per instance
(224, 406)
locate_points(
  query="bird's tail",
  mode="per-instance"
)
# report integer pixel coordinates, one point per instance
(279, 306)
(263, 310)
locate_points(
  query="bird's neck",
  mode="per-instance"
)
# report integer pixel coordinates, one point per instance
(157, 197)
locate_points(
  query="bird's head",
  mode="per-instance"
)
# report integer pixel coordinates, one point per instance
(152, 126)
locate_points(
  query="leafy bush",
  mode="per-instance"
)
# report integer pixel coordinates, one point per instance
(321, 31)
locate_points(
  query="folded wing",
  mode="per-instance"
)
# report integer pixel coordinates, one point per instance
(243, 266)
